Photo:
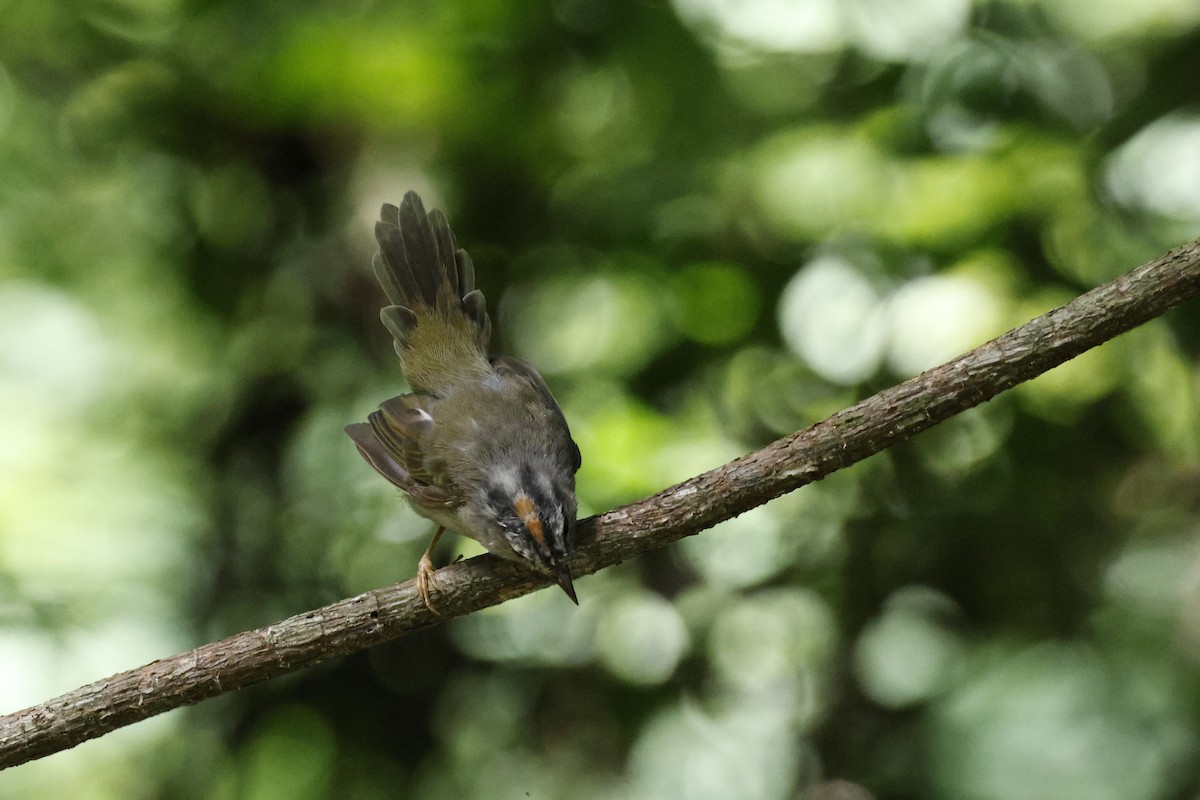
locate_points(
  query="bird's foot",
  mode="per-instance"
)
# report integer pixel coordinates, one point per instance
(426, 582)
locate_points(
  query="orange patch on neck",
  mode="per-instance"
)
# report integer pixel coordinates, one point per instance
(527, 511)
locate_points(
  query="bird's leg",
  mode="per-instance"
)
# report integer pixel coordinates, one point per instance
(425, 579)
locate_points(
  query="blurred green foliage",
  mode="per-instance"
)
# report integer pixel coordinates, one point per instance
(710, 223)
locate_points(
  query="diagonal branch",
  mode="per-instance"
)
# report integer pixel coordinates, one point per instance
(682, 510)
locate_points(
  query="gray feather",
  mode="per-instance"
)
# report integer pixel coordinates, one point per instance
(400, 321)
(420, 251)
(466, 272)
(429, 282)
(475, 307)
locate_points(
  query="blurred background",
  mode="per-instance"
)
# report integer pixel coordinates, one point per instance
(709, 223)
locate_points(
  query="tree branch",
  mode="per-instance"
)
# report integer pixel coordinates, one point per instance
(682, 510)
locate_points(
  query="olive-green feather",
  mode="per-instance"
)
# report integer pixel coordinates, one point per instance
(438, 318)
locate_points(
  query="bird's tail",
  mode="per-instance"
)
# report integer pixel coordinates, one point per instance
(438, 318)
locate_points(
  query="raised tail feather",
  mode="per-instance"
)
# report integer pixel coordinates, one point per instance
(438, 318)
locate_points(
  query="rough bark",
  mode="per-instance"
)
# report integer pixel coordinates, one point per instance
(682, 510)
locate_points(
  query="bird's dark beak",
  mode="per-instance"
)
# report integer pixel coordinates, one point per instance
(563, 575)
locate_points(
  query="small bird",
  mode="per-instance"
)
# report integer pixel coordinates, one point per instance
(480, 446)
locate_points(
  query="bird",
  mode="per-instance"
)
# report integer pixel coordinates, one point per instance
(479, 446)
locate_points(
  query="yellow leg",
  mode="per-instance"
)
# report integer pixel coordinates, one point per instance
(425, 578)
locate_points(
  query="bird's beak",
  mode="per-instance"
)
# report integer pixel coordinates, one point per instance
(563, 575)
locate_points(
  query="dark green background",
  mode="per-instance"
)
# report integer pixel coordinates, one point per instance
(710, 223)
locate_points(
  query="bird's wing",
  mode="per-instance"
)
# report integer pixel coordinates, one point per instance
(518, 369)
(392, 441)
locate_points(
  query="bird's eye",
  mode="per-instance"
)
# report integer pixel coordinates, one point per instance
(513, 523)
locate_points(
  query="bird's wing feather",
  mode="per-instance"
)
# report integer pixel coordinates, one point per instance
(519, 369)
(392, 441)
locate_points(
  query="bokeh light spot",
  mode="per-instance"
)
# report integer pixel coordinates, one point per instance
(938, 317)
(1158, 170)
(904, 657)
(906, 30)
(769, 26)
(610, 320)
(815, 181)
(641, 638)
(832, 317)
(714, 303)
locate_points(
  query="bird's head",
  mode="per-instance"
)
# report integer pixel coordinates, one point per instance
(536, 516)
